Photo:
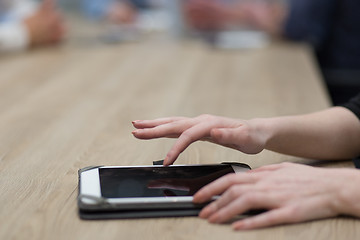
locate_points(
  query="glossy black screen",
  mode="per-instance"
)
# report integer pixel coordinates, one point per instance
(158, 181)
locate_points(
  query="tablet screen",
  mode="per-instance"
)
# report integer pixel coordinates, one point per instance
(158, 181)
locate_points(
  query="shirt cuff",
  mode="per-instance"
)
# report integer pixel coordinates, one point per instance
(14, 36)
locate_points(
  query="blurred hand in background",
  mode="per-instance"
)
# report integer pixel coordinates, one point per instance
(46, 26)
(120, 12)
(216, 15)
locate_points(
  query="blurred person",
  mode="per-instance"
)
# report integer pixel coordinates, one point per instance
(115, 11)
(330, 26)
(290, 192)
(24, 25)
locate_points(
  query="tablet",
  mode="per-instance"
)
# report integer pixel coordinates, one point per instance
(147, 187)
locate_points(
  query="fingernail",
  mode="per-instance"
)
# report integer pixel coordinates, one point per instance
(135, 131)
(206, 212)
(198, 197)
(203, 213)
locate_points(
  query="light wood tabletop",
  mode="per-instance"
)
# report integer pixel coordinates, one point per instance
(70, 107)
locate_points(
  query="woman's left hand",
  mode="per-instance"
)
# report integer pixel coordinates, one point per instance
(290, 192)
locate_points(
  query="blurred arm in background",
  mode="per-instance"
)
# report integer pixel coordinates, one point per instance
(220, 14)
(296, 19)
(329, 26)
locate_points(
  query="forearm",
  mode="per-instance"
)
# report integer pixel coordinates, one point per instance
(329, 134)
(267, 16)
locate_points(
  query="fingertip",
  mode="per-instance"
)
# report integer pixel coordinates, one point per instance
(237, 225)
(204, 213)
(137, 133)
(171, 157)
(167, 161)
(215, 217)
(199, 197)
(242, 225)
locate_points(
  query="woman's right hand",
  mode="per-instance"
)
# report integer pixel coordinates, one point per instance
(242, 135)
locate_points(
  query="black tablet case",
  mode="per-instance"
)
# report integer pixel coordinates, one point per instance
(93, 213)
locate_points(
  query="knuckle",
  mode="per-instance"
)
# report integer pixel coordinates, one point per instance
(250, 198)
(234, 191)
(265, 186)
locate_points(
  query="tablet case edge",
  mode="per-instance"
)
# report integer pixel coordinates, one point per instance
(85, 212)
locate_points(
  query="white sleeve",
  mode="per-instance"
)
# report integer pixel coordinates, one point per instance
(14, 36)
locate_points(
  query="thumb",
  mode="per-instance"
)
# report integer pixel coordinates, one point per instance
(223, 136)
(239, 138)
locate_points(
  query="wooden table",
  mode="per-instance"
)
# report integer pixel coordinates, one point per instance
(66, 108)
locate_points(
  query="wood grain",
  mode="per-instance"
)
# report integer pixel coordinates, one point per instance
(66, 108)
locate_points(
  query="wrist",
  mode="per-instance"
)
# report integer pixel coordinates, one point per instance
(264, 129)
(347, 195)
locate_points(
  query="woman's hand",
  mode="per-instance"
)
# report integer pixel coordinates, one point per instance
(290, 192)
(238, 134)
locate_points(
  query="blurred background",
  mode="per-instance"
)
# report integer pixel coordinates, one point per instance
(226, 24)
(325, 25)
(229, 24)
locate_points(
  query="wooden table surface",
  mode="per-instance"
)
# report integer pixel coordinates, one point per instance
(66, 108)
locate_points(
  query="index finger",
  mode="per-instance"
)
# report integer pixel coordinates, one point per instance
(196, 132)
(140, 124)
(222, 184)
